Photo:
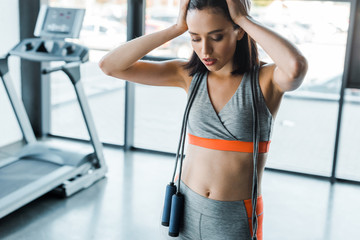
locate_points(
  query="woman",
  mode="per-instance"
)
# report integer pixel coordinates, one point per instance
(217, 173)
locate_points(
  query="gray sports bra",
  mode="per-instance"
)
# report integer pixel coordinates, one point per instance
(230, 129)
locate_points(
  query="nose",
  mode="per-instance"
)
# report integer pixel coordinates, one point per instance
(206, 48)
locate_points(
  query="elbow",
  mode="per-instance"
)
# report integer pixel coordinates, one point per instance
(299, 68)
(103, 65)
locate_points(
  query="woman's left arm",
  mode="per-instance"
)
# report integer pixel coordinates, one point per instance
(290, 65)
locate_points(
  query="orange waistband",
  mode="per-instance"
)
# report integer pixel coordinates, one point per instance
(228, 145)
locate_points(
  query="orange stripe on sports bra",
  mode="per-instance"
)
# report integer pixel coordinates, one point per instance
(228, 145)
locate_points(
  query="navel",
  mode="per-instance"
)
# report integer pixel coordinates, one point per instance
(207, 194)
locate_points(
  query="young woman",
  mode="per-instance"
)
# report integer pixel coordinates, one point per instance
(218, 168)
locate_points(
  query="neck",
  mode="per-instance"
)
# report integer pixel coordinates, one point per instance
(222, 74)
(225, 71)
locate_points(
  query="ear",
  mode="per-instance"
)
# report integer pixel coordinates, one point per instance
(240, 34)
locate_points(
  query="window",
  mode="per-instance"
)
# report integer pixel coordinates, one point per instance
(9, 24)
(348, 157)
(159, 110)
(158, 117)
(307, 117)
(305, 127)
(104, 28)
(304, 132)
(163, 14)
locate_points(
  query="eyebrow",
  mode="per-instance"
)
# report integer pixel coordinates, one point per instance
(212, 32)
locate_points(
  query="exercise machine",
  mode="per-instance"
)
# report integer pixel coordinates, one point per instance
(38, 168)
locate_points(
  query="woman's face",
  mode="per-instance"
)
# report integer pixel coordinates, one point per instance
(213, 38)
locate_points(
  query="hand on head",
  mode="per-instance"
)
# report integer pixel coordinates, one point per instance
(181, 21)
(238, 8)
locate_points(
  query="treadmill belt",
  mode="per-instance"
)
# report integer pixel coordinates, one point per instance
(22, 173)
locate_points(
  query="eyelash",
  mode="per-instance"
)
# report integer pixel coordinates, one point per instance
(216, 39)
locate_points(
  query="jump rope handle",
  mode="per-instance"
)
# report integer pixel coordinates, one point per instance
(177, 209)
(170, 191)
(256, 139)
(174, 200)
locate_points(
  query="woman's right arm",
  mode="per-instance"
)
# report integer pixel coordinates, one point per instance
(124, 61)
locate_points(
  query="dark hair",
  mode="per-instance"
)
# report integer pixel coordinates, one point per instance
(246, 53)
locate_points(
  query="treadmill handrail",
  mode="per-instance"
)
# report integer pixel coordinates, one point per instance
(72, 70)
(16, 103)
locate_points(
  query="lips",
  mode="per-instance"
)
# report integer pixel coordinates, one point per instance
(209, 61)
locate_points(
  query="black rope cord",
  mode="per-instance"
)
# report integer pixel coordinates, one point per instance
(183, 130)
(256, 139)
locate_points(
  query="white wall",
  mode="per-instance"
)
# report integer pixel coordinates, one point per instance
(9, 36)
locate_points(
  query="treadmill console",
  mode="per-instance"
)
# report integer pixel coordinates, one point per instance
(53, 26)
(59, 22)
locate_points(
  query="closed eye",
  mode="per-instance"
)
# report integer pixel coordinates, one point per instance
(218, 38)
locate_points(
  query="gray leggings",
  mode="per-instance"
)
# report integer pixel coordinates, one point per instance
(208, 219)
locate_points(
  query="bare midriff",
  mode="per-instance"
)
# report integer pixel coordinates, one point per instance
(221, 175)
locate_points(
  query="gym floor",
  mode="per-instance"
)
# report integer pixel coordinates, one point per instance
(127, 205)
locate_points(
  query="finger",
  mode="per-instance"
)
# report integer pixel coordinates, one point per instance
(247, 5)
(184, 4)
(182, 13)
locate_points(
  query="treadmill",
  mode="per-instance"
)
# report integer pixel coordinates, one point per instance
(39, 168)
